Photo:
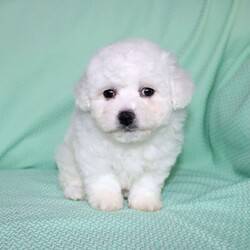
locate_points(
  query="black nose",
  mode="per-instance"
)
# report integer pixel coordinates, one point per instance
(126, 118)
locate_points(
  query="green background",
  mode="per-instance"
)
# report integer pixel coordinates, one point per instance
(44, 47)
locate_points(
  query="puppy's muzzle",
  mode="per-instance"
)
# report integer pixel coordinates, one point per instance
(126, 118)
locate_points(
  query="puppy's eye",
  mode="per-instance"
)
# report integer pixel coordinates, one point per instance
(109, 93)
(147, 92)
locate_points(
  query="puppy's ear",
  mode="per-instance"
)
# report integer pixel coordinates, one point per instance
(81, 95)
(181, 88)
(181, 85)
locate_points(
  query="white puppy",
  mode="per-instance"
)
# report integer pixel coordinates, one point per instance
(127, 130)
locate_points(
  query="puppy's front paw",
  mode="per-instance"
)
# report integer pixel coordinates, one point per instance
(74, 192)
(145, 202)
(106, 200)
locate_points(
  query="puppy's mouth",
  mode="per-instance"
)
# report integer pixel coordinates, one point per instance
(129, 134)
(125, 129)
(128, 129)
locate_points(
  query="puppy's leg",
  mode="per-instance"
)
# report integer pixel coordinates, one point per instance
(104, 192)
(69, 175)
(145, 193)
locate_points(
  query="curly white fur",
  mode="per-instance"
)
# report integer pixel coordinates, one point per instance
(102, 159)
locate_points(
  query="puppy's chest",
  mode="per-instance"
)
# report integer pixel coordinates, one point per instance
(129, 165)
(134, 161)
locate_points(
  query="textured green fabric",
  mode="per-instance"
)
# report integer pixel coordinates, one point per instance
(44, 46)
(201, 212)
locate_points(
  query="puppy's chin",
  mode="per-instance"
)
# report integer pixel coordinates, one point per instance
(130, 136)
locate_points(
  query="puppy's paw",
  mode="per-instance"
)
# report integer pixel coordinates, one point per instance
(74, 192)
(106, 200)
(145, 202)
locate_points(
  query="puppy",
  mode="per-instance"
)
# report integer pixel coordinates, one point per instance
(127, 129)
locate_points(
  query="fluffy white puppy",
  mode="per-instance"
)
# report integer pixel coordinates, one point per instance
(127, 129)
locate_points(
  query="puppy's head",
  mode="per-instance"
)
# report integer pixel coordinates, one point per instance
(131, 88)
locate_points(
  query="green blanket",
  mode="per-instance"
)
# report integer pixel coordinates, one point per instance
(44, 47)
